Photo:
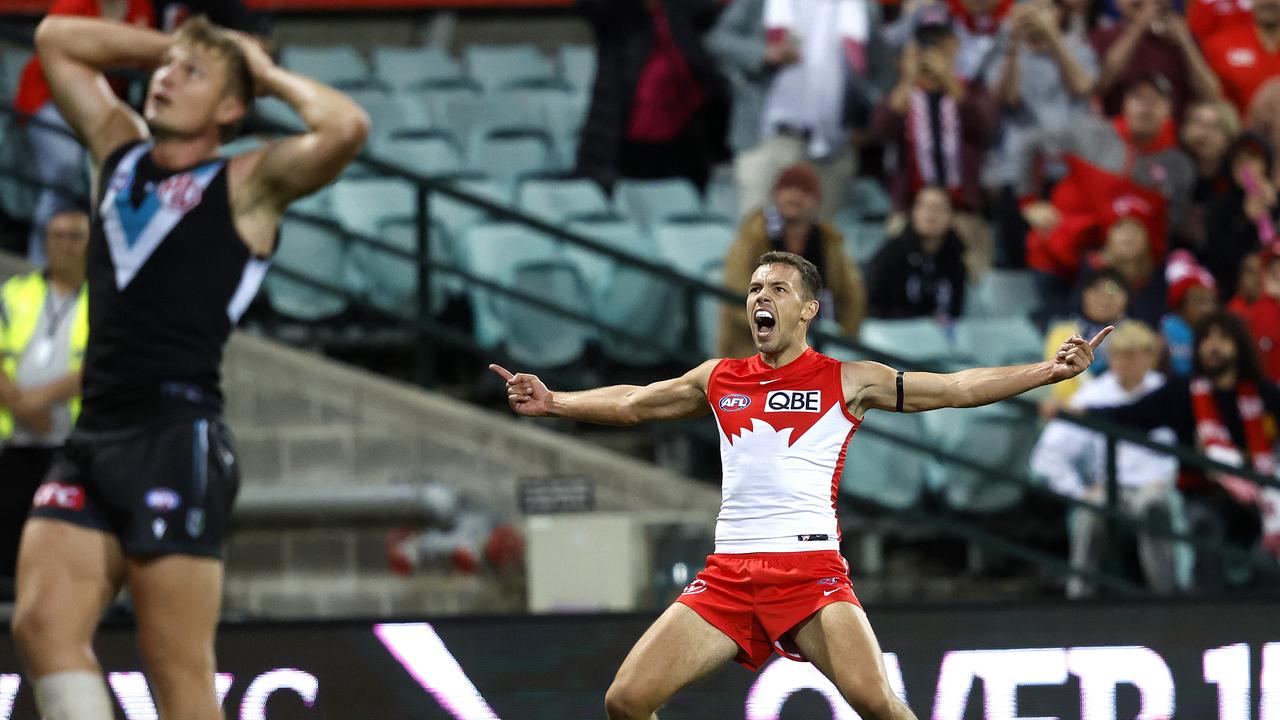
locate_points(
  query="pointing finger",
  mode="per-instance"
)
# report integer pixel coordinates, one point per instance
(502, 372)
(1097, 339)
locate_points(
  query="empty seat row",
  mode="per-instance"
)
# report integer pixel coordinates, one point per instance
(993, 340)
(489, 67)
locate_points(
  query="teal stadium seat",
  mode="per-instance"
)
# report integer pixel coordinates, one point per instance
(316, 253)
(509, 160)
(1003, 293)
(562, 116)
(389, 280)
(494, 250)
(578, 66)
(455, 110)
(642, 303)
(692, 247)
(722, 200)
(650, 202)
(17, 197)
(432, 156)
(991, 439)
(341, 66)
(362, 204)
(920, 340)
(862, 240)
(886, 473)
(457, 216)
(12, 63)
(538, 338)
(318, 203)
(276, 111)
(559, 201)
(709, 314)
(500, 67)
(413, 68)
(1000, 340)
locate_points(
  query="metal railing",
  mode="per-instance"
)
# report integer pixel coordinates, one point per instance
(694, 290)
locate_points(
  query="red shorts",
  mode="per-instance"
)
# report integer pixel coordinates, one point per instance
(757, 599)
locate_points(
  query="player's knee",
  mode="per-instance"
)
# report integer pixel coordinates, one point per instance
(623, 702)
(31, 626)
(873, 701)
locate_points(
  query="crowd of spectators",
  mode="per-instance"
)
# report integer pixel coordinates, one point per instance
(1121, 152)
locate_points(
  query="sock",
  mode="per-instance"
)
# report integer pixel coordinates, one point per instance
(74, 695)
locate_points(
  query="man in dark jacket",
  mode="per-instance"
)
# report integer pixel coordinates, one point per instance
(655, 91)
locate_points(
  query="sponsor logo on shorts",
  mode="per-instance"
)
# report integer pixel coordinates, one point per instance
(828, 592)
(158, 526)
(58, 495)
(734, 403)
(813, 538)
(163, 499)
(793, 401)
(829, 581)
(695, 587)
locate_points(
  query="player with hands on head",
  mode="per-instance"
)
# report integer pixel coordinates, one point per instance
(785, 416)
(179, 243)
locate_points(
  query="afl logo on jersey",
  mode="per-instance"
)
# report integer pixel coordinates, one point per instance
(793, 401)
(180, 192)
(734, 403)
(163, 499)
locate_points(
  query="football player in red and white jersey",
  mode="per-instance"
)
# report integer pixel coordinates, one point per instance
(777, 582)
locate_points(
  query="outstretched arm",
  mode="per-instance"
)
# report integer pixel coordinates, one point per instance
(75, 52)
(871, 385)
(682, 397)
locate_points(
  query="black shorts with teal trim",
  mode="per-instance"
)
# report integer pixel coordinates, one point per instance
(165, 489)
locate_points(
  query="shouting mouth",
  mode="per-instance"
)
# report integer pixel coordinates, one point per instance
(765, 322)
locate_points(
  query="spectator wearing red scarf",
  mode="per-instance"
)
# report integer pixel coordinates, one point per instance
(59, 159)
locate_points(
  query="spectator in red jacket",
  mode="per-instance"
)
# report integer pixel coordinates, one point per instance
(1257, 300)
(1151, 38)
(1246, 55)
(59, 159)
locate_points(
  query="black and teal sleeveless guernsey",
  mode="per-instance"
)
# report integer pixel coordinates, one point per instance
(168, 278)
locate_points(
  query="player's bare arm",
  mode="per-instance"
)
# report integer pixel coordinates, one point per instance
(265, 181)
(675, 399)
(75, 53)
(874, 386)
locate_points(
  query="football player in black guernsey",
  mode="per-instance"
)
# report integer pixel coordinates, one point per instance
(180, 241)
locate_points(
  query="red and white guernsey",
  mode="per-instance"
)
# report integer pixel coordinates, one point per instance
(783, 437)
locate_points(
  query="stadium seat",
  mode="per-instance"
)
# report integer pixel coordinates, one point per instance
(390, 280)
(455, 110)
(921, 341)
(316, 253)
(722, 200)
(693, 246)
(411, 68)
(562, 115)
(861, 239)
(12, 63)
(362, 204)
(499, 67)
(386, 114)
(1003, 293)
(509, 160)
(990, 441)
(886, 473)
(17, 197)
(338, 65)
(709, 315)
(539, 338)
(578, 66)
(432, 156)
(650, 202)
(561, 200)
(318, 203)
(277, 112)
(999, 341)
(457, 216)
(494, 250)
(644, 304)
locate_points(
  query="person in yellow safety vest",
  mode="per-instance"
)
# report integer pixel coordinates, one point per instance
(44, 326)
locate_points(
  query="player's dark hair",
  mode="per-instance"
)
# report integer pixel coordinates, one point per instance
(1247, 365)
(199, 32)
(809, 275)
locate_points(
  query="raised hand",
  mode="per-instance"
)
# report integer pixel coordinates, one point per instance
(526, 394)
(1075, 355)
